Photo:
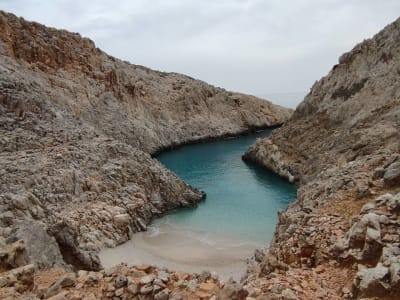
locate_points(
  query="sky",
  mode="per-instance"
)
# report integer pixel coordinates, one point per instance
(271, 48)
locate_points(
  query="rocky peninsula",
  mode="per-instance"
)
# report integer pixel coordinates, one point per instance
(78, 129)
(341, 238)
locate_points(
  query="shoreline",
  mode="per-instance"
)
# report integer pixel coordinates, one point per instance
(229, 135)
(185, 250)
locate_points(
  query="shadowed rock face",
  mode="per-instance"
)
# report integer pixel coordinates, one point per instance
(342, 145)
(77, 130)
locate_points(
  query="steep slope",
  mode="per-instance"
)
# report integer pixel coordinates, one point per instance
(77, 128)
(144, 108)
(343, 146)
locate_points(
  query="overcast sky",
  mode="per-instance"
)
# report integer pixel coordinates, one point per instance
(275, 48)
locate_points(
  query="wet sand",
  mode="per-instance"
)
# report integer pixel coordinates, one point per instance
(183, 250)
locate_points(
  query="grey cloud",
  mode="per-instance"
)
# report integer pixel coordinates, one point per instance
(254, 46)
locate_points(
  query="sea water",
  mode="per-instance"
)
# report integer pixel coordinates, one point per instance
(238, 215)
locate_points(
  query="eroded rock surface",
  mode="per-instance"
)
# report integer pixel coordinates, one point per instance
(342, 146)
(77, 131)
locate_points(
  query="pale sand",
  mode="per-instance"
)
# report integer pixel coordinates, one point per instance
(183, 250)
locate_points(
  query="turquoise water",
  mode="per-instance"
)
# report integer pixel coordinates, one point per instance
(242, 198)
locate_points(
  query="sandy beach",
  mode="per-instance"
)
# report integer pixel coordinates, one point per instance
(183, 250)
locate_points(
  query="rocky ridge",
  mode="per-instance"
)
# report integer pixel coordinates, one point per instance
(77, 131)
(342, 147)
(120, 282)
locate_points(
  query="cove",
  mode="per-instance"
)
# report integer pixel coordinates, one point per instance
(238, 215)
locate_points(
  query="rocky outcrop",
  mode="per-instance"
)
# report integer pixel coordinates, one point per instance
(144, 108)
(342, 147)
(120, 282)
(77, 131)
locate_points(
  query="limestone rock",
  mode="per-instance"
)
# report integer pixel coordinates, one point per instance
(341, 146)
(392, 174)
(162, 295)
(121, 220)
(78, 129)
(234, 291)
(147, 279)
(42, 249)
(120, 281)
(372, 282)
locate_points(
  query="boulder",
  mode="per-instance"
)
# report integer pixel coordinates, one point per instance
(288, 294)
(357, 232)
(120, 281)
(373, 244)
(368, 207)
(392, 174)
(233, 291)
(56, 287)
(394, 271)
(121, 220)
(372, 282)
(162, 295)
(393, 204)
(147, 279)
(42, 249)
(13, 255)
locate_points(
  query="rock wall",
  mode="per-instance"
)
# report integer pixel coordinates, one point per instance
(77, 130)
(342, 146)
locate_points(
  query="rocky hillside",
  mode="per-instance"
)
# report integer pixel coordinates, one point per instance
(342, 145)
(77, 131)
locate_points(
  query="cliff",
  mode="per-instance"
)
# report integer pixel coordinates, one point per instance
(77, 131)
(342, 145)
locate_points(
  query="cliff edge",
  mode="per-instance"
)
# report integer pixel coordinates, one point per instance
(342, 145)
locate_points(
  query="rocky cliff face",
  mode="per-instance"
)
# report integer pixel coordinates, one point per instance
(77, 130)
(342, 145)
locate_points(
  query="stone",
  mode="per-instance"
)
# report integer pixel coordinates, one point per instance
(146, 289)
(147, 279)
(133, 288)
(192, 285)
(144, 268)
(82, 274)
(119, 292)
(394, 271)
(208, 286)
(159, 282)
(122, 219)
(390, 254)
(393, 204)
(368, 207)
(120, 281)
(234, 291)
(162, 295)
(56, 287)
(392, 174)
(373, 244)
(164, 276)
(372, 281)
(3, 281)
(259, 255)
(288, 294)
(357, 232)
(67, 280)
(383, 199)
(204, 276)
